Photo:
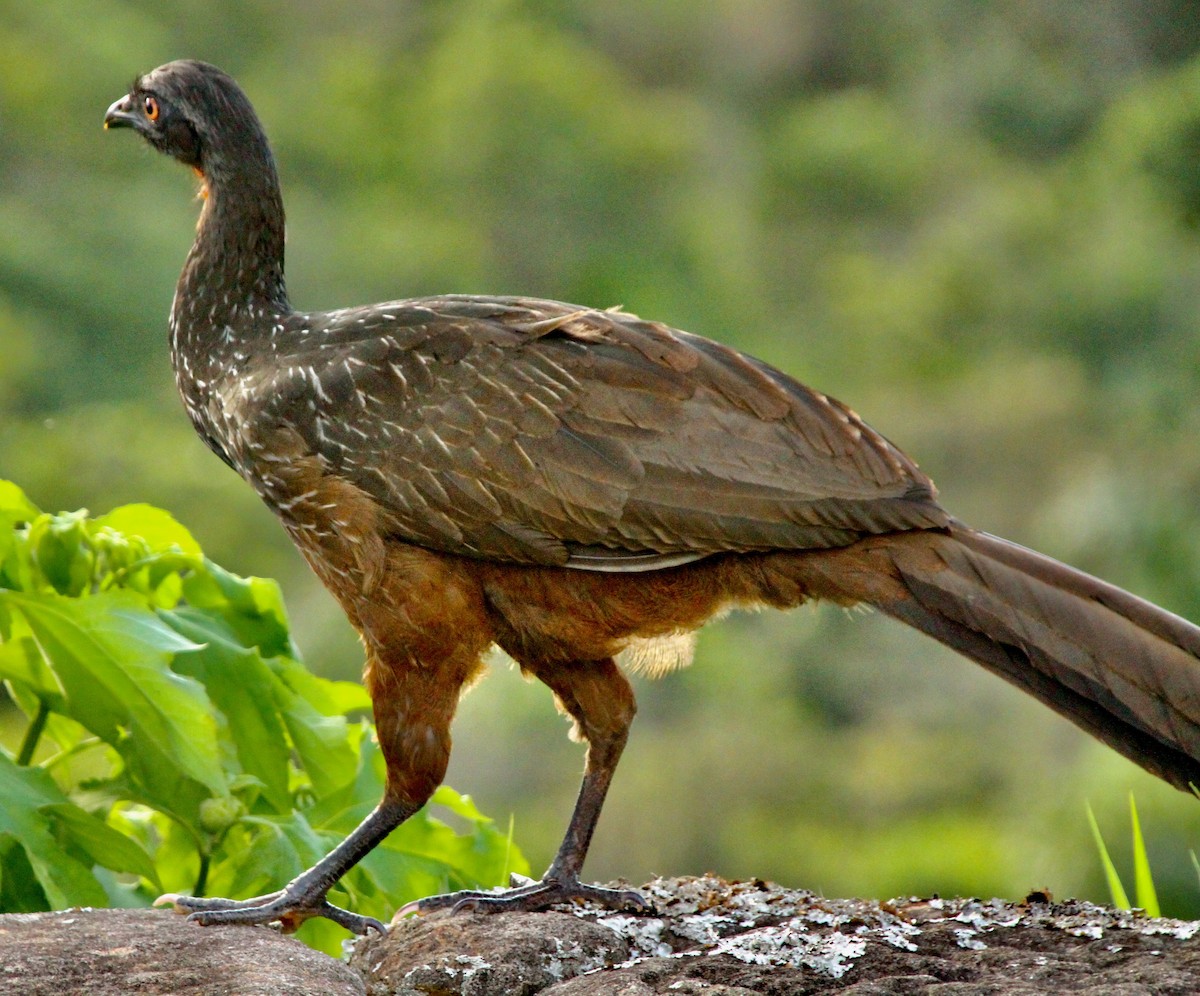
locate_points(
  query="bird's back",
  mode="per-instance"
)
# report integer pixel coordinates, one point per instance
(538, 432)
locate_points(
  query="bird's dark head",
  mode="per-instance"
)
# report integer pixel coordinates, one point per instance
(193, 112)
(197, 114)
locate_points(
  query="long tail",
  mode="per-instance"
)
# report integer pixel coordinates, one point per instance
(1121, 668)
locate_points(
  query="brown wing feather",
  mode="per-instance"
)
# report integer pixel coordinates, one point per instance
(538, 432)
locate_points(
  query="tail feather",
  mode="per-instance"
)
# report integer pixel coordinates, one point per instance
(1121, 668)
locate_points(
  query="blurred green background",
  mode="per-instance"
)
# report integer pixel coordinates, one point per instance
(975, 222)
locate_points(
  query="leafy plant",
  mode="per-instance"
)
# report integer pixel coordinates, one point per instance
(1143, 880)
(168, 739)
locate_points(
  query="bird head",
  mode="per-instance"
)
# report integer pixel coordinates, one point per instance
(195, 113)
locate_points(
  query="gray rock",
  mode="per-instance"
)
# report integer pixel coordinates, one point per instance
(705, 937)
(149, 952)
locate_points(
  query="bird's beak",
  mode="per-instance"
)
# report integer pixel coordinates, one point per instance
(120, 114)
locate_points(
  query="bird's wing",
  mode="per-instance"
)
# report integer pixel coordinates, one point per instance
(536, 432)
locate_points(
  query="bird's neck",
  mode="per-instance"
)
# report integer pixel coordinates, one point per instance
(231, 291)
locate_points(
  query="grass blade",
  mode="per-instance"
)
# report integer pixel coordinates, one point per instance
(1115, 888)
(1147, 897)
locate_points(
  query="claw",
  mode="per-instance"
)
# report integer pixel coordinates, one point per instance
(304, 896)
(408, 909)
(289, 913)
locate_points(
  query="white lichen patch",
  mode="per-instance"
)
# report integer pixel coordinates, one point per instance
(460, 969)
(829, 954)
(964, 937)
(1181, 930)
(897, 933)
(826, 917)
(569, 959)
(644, 934)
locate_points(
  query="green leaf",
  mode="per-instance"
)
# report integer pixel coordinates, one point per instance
(177, 858)
(158, 528)
(253, 607)
(332, 698)
(15, 509)
(22, 662)
(14, 505)
(1115, 888)
(20, 891)
(456, 802)
(264, 852)
(112, 656)
(320, 740)
(104, 845)
(245, 690)
(27, 792)
(1147, 897)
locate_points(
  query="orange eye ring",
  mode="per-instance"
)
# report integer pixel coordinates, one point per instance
(150, 105)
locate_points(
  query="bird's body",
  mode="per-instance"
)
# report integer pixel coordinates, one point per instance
(562, 482)
(533, 432)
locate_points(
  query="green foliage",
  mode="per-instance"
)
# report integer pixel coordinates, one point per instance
(1147, 896)
(174, 742)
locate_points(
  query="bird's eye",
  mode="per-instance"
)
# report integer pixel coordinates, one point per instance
(150, 105)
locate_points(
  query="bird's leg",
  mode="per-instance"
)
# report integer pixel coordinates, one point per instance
(413, 708)
(304, 896)
(599, 699)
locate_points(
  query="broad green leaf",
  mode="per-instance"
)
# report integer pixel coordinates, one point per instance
(425, 857)
(26, 792)
(266, 852)
(20, 661)
(15, 508)
(321, 742)
(341, 811)
(104, 845)
(8, 544)
(158, 528)
(462, 805)
(253, 607)
(332, 698)
(245, 690)
(177, 858)
(14, 505)
(16, 565)
(112, 656)
(20, 891)
(478, 856)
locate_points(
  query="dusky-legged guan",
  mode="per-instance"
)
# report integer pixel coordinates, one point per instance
(463, 472)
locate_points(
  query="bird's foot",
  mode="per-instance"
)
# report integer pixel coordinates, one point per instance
(278, 907)
(530, 896)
